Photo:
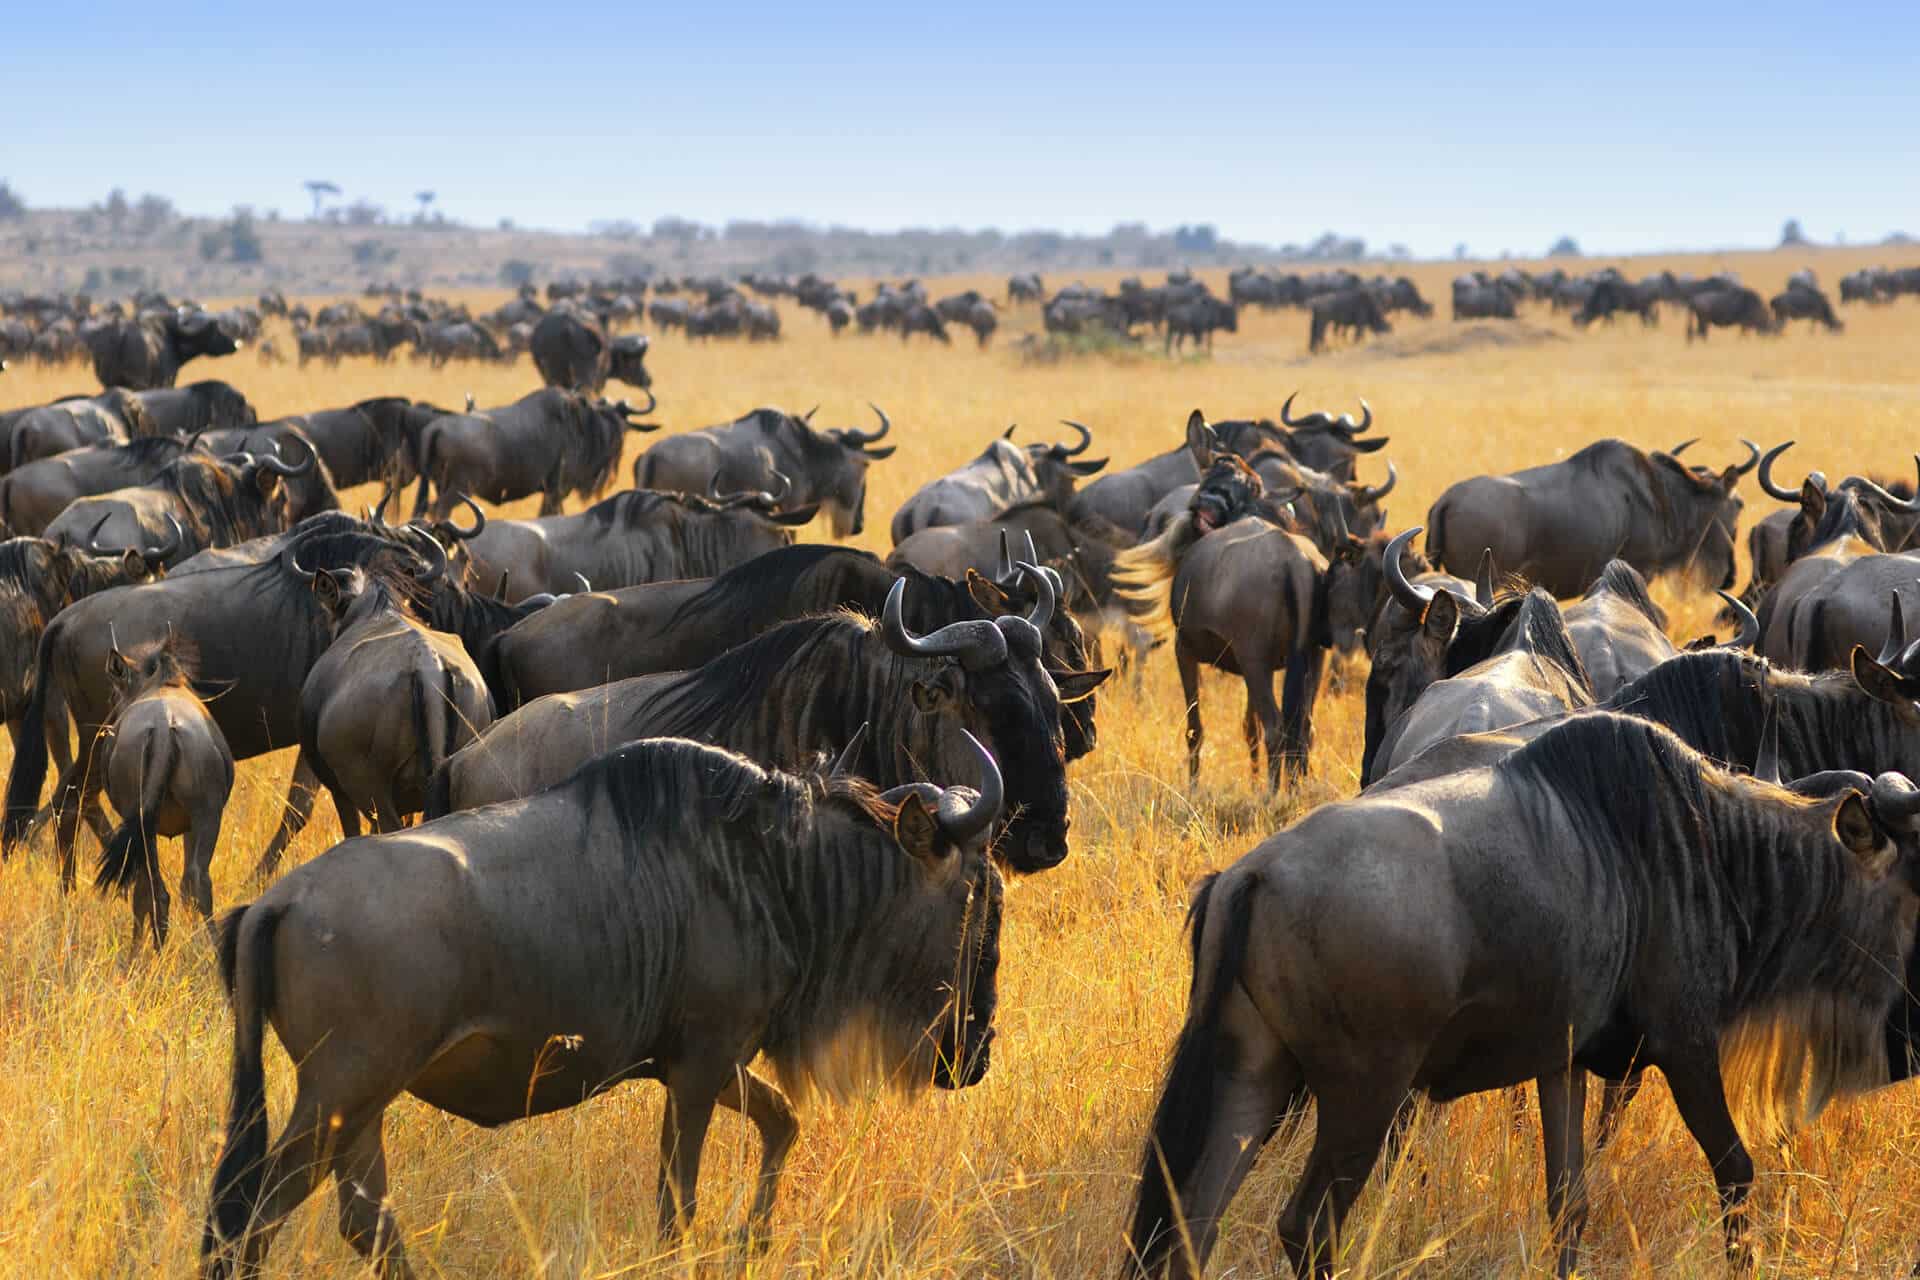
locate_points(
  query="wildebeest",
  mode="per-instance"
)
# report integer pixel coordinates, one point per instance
(199, 406)
(1886, 514)
(551, 442)
(1654, 910)
(983, 319)
(1802, 302)
(630, 538)
(1003, 476)
(41, 431)
(375, 440)
(1617, 629)
(1611, 296)
(571, 350)
(1834, 596)
(1728, 308)
(388, 701)
(1353, 311)
(33, 495)
(707, 910)
(196, 501)
(1025, 288)
(827, 466)
(1473, 300)
(1198, 318)
(147, 352)
(806, 686)
(1557, 525)
(169, 773)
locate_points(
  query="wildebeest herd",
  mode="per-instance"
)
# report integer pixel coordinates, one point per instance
(656, 789)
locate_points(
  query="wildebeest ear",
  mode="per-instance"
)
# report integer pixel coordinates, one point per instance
(1813, 499)
(881, 454)
(1093, 467)
(326, 589)
(1879, 681)
(117, 666)
(1854, 826)
(1201, 441)
(1075, 685)
(988, 595)
(267, 480)
(1441, 617)
(935, 695)
(134, 563)
(916, 829)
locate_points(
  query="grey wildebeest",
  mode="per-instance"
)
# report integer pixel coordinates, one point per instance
(169, 773)
(550, 442)
(1197, 319)
(197, 501)
(707, 910)
(1353, 311)
(1886, 513)
(1003, 476)
(1802, 302)
(1618, 631)
(1732, 307)
(631, 538)
(147, 352)
(375, 440)
(827, 467)
(1559, 524)
(388, 701)
(1603, 899)
(199, 406)
(33, 495)
(1834, 596)
(41, 431)
(806, 686)
(571, 350)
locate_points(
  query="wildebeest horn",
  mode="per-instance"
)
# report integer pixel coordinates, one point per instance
(963, 824)
(1043, 588)
(1483, 579)
(976, 642)
(842, 766)
(1346, 426)
(500, 592)
(436, 560)
(113, 643)
(1004, 573)
(585, 585)
(1410, 597)
(470, 402)
(1831, 782)
(1749, 633)
(165, 551)
(1898, 504)
(93, 535)
(1896, 632)
(290, 561)
(1365, 496)
(1683, 446)
(1896, 801)
(1286, 412)
(1008, 433)
(858, 439)
(1766, 765)
(1753, 457)
(1086, 438)
(275, 464)
(653, 402)
(808, 415)
(1766, 475)
(453, 530)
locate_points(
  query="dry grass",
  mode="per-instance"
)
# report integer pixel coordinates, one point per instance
(113, 1070)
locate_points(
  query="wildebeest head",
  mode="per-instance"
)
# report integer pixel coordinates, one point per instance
(196, 333)
(1229, 488)
(167, 663)
(1356, 585)
(841, 485)
(992, 682)
(1858, 506)
(626, 357)
(1701, 510)
(1058, 466)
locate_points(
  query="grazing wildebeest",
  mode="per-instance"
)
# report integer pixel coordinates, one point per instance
(1198, 318)
(806, 686)
(633, 537)
(1611, 296)
(1728, 308)
(1801, 302)
(551, 442)
(706, 910)
(197, 501)
(147, 352)
(1557, 525)
(571, 350)
(388, 701)
(168, 774)
(33, 495)
(41, 431)
(918, 317)
(1003, 476)
(827, 467)
(1603, 899)
(1869, 284)
(199, 406)
(1355, 311)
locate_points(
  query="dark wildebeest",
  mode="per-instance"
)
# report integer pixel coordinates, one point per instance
(41, 431)
(34, 495)
(1025, 288)
(1798, 302)
(307, 493)
(1197, 319)
(918, 317)
(1887, 514)
(388, 701)
(147, 352)
(196, 502)
(571, 350)
(168, 774)
(1610, 297)
(1869, 284)
(1475, 301)
(1601, 900)
(1728, 308)
(1558, 525)
(1002, 477)
(631, 538)
(1234, 589)
(551, 442)
(707, 911)
(1355, 311)
(825, 467)
(374, 440)
(807, 686)
(983, 320)
(1618, 631)
(199, 406)
(1834, 596)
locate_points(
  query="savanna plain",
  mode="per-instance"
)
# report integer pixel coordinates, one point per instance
(113, 1066)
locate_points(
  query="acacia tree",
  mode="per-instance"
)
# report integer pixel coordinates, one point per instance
(319, 189)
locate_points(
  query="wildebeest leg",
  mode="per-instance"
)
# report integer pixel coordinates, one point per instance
(294, 1166)
(77, 795)
(1260, 703)
(1701, 1097)
(691, 1094)
(347, 812)
(1250, 730)
(59, 746)
(196, 870)
(1189, 664)
(1301, 691)
(360, 1171)
(1349, 1130)
(1615, 1097)
(1563, 1113)
(764, 1104)
(301, 794)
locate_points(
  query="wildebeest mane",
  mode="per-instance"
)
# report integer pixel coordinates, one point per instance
(147, 449)
(1540, 629)
(761, 592)
(1623, 581)
(210, 494)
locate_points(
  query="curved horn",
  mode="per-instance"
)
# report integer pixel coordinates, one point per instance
(975, 642)
(1410, 597)
(1367, 496)
(1483, 579)
(1753, 457)
(585, 585)
(1880, 495)
(436, 559)
(166, 551)
(653, 402)
(1366, 418)
(290, 561)
(1896, 632)
(842, 766)
(1766, 475)
(1043, 587)
(93, 535)
(1896, 801)
(113, 643)
(1286, 411)
(1749, 633)
(452, 529)
(274, 463)
(1683, 446)
(855, 438)
(1830, 782)
(1086, 438)
(1766, 766)
(963, 825)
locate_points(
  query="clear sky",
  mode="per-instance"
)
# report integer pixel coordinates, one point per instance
(1627, 125)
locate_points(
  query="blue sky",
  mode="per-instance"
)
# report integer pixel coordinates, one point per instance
(1626, 125)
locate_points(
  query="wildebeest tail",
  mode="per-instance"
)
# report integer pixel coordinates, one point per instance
(30, 752)
(439, 793)
(1437, 535)
(133, 851)
(1183, 1117)
(1143, 576)
(431, 732)
(245, 947)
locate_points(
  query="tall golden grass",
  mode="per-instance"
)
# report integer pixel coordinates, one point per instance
(113, 1064)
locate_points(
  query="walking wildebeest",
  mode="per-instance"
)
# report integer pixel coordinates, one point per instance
(147, 352)
(1197, 319)
(572, 351)
(1355, 311)
(169, 773)
(705, 910)
(550, 442)
(1003, 476)
(826, 467)
(1559, 524)
(1604, 898)
(806, 686)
